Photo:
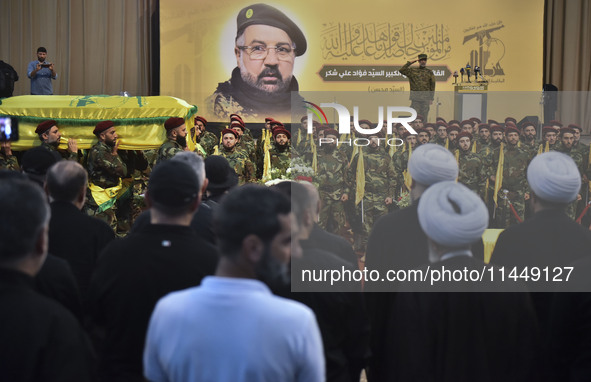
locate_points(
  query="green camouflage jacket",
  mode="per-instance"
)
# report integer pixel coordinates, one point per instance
(332, 174)
(168, 149)
(104, 168)
(422, 82)
(380, 176)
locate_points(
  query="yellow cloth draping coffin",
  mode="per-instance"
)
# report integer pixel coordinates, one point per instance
(139, 120)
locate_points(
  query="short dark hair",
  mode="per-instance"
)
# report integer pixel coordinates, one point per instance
(65, 179)
(23, 214)
(41, 49)
(248, 210)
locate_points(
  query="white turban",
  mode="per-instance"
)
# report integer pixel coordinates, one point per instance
(431, 163)
(554, 177)
(452, 215)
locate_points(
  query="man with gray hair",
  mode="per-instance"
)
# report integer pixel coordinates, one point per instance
(459, 336)
(73, 235)
(41, 340)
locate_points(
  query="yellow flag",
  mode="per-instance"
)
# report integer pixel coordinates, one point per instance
(299, 140)
(540, 149)
(216, 150)
(266, 163)
(314, 156)
(458, 156)
(474, 147)
(360, 178)
(356, 150)
(447, 143)
(499, 174)
(393, 148)
(406, 173)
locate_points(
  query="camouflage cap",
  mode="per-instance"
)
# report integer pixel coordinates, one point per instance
(422, 56)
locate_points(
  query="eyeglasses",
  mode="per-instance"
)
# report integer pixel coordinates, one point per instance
(260, 52)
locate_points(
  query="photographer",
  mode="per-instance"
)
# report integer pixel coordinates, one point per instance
(41, 73)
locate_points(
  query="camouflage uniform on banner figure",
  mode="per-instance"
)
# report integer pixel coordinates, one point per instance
(237, 159)
(379, 179)
(512, 189)
(422, 85)
(333, 185)
(106, 191)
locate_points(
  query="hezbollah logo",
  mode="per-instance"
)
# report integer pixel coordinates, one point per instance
(249, 13)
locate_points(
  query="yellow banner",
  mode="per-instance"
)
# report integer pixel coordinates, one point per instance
(351, 46)
(139, 121)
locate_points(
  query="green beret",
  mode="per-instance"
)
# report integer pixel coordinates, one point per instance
(263, 14)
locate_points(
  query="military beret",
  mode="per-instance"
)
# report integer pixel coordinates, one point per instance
(203, 120)
(432, 125)
(567, 130)
(173, 122)
(365, 121)
(483, 126)
(453, 128)
(454, 122)
(554, 123)
(573, 126)
(421, 130)
(276, 125)
(230, 131)
(549, 129)
(528, 123)
(173, 184)
(102, 126)
(511, 119)
(440, 119)
(236, 124)
(330, 131)
(511, 129)
(497, 128)
(263, 14)
(44, 126)
(420, 117)
(236, 117)
(406, 134)
(422, 56)
(269, 119)
(281, 130)
(464, 134)
(493, 122)
(466, 122)
(477, 120)
(511, 124)
(441, 123)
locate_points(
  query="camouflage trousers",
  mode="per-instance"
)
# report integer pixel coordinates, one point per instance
(503, 215)
(422, 108)
(118, 216)
(373, 208)
(332, 216)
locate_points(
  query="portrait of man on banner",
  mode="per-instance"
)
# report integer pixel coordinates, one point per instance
(266, 47)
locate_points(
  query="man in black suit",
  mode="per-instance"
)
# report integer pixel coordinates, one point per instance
(40, 340)
(133, 273)
(73, 235)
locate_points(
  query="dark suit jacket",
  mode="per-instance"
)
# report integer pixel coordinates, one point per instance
(333, 243)
(78, 239)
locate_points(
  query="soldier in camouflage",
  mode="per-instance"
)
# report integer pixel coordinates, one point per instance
(549, 138)
(246, 143)
(528, 137)
(380, 186)
(452, 136)
(441, 130)
(567, 140)
(400, 160)
(514, 188)
(206, 140)
(423, 136)
(50, 138)
(280, 150)
(333, 184)
(105, 170)
(422, 85)
(482, 140)
(472, 172)
(430, 127)
(7, 160)
(237, 159)
(176, 139)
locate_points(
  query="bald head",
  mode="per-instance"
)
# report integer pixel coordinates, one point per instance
(313, 200)
(66, 180)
